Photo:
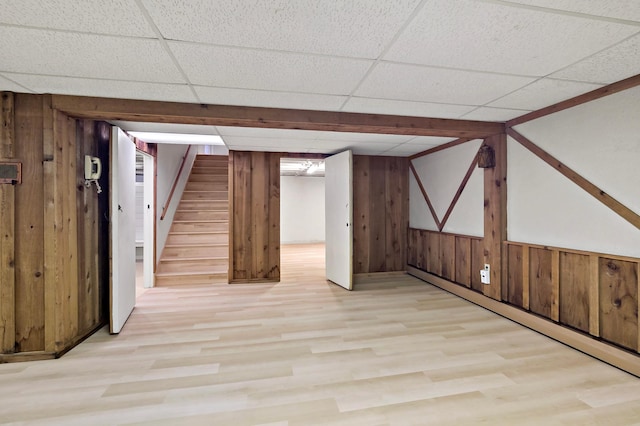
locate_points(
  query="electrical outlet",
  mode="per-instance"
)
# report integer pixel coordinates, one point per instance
(485, 274)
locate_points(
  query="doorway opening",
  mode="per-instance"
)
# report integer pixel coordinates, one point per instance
(302, 218)
(145, 222)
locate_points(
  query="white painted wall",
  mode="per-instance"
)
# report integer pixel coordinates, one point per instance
(169, 159)
(601, 141)
(213, 149)
(441, 174)
(301, 209)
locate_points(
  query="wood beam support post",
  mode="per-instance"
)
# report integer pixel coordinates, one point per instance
(495, 215)
(7, 231)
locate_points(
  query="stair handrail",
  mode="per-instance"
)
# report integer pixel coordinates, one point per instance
(175, 183)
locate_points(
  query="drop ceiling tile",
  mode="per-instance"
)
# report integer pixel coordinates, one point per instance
(300, 26)
(11, 86)
(369, 150)
(407, 150)
(610, 65)
(106, 88)
(269, 99)
(264, 133)
(364, 137)
(426, 84)
(118, 17)
(494, 114)
(409, 108)
(429, 140)
(500, 38)
(620, 9)
(32, 51)
(258, 148)
(262, 70)
(543, 93)
(339, 144)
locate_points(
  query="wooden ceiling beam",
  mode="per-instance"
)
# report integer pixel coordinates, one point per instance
(276, 118)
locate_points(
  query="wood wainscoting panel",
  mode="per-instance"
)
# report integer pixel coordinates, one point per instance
(448, 256)
(514, 275)
(619, 302)
(477, 263)
(540, 281)
(463, 261)
(29, 222)
(574, 290)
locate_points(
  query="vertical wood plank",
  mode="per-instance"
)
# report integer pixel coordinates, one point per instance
(412, 242)
(7, 231)
(514, 275)
(361, 214)
(242, 216)
(377, 217)
(50, 228)
(423, 243)
(495, 214)
(594, 295)
(541, 281)
(273, 235)
(463, 261)
(574, 290)
(230, 193)
(448, 256)
(619, 302)
(71, 219)
(555, 285)
(29, 225)
(477, 263)
(434, 260)
(259, 214)
(395, 213)
(526, 267)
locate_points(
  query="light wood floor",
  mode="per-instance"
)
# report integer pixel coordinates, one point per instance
(396, 351)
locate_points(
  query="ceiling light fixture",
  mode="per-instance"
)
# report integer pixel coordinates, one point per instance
(178, 138)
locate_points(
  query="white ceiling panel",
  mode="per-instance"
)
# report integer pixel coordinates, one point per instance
(414, 109)
(493, 37)
(494, 114)
(269, 99)
(610, 65)
(428, 140)
(106, 88)
(543, 93)
(263, 148)
(364, 137)
(407, 150)
(265, 70)
(194, 129)
(268, 133)
(351, 28)
(11, 86)
(238, 141)
(118, 17)
(425, 84)
(619, 9)
(85, 55)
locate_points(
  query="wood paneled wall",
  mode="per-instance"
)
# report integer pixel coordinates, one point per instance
(454, 257)
(594, 293)
(254, 216)
(380, 210)
(380, 213)
(53, 280)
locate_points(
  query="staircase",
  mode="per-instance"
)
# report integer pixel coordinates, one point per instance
(197, 248)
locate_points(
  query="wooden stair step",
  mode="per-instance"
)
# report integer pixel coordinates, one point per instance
(193, 238)
(193, 278)
(211, 265)
(205, 250)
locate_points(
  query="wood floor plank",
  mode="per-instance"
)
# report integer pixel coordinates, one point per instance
(396, 351)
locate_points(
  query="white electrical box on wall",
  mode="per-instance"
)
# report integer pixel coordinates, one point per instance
(485, 274)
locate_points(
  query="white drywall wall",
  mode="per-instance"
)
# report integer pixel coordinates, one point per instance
(601, 141)
(441, 174)
(301, 209)
(169, 159)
